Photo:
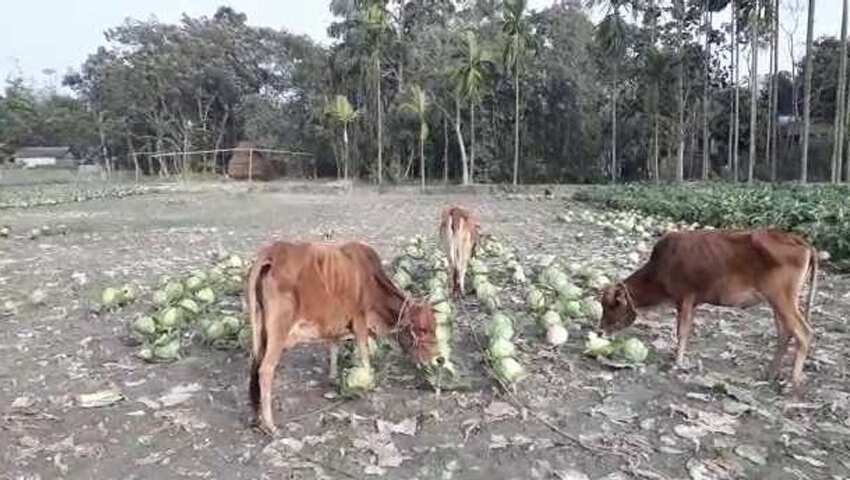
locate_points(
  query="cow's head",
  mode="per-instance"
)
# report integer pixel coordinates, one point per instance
(618, 309)
(418, 332)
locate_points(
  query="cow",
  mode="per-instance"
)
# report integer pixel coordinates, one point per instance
(315, 292)
(732, 268)
(459, 233)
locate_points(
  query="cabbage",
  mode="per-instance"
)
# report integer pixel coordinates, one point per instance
(479, 280)
(205, 295)
(146, 353)
(231, 324)
(519, 276)
(437, 295)
(443, 307)
(194, 283)
(634, 350)
(491, 304)
(413, 251)
(171, 317)
(550, 318)
(598, 281)
(509, 369)
(536, 299)
(173, 290)
(359, 378)
(592, 309)
(501, 326)
(215, 330)
(244, 337)
(552, 277)
(169, 351)
(434, 284)
(571, 309)
(190, 306)
(128, 292)
(477, 267)
(216, 275)
(111, 297)
(234, 262)
(404, 264)
(402, 279)
(556, 335)
(598, 346)
(160, 298)
(500, 348)
(145, 325)
(569, 291)
(442, 276)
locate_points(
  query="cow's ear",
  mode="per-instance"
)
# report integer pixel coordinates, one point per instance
(620, 295)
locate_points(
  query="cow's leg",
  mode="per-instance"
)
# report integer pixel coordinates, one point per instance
(684, 325)
(279, 321)
(802, 333)
(783, 338)
(361, 336)
(333, 370)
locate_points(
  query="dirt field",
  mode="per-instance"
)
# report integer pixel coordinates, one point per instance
(190, 419)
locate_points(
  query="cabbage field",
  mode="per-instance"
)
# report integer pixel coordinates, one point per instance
(122, 347)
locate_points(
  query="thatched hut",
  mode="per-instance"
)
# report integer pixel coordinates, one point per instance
(244, 159)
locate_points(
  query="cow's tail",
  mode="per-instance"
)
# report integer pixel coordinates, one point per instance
(256, 314)
(813, 284)
(459, 244)
(447, 235)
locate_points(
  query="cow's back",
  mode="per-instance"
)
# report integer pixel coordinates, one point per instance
(709, 264)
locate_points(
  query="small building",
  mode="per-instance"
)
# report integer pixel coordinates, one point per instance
(45, 157)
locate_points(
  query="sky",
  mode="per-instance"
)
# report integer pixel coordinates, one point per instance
(39, 35)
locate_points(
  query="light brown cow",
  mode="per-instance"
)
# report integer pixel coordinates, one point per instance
(726, 268)
(459, 233)
(307, 292)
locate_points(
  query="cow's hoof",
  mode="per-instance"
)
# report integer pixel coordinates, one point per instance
(265, 429)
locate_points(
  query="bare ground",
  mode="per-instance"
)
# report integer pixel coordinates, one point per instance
(716, 420)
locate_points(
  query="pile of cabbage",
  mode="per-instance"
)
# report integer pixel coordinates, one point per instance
(422, 270)
(202, 305)
(629, 350)
(59, 194)
(353, 378)
(501, 351)
(562, 293)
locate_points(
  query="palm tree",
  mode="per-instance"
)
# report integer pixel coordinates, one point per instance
(807, 94)
(418, 104)
(342, 113)
(376, 21)
(838, 134)
(735, 110)
(657, 69)
(468, 79)
(611, 36)
(711, 6)
(754, 73)
(516, 28)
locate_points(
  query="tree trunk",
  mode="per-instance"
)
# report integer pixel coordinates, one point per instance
(774, 101)
(680, 128)
(380, 118)
(445, 150)
(769, 116)
(471, 142)
(656, 167)
(464, 170)
(737, 93)
(706, 99)
(754, 89)
(422, 160)
(652, 160)
(838, 130)
(345, 152)
(104, 152)
(731, 140)
(516, 120)
(614, 126)
(131, 151)
(807, 94)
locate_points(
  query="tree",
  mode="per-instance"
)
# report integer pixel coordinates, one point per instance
(807, 94)
(418, 105)
(515, 27)
(343, 114)
(469, 79)
(611, 36)
(754, 33)
(839, 127)
(377, 26)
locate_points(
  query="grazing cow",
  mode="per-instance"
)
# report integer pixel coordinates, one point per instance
(726, 268)
(459, 232)
(308, 292)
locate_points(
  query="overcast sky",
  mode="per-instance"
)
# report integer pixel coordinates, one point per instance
(58, 34)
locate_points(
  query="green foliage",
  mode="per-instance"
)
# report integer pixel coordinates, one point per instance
(819, 213)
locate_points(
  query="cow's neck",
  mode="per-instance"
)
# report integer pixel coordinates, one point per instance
(644, 290)
(391, 307)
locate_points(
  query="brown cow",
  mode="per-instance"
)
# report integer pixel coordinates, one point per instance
(307, 292)
(726, 268)
(459, 232)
